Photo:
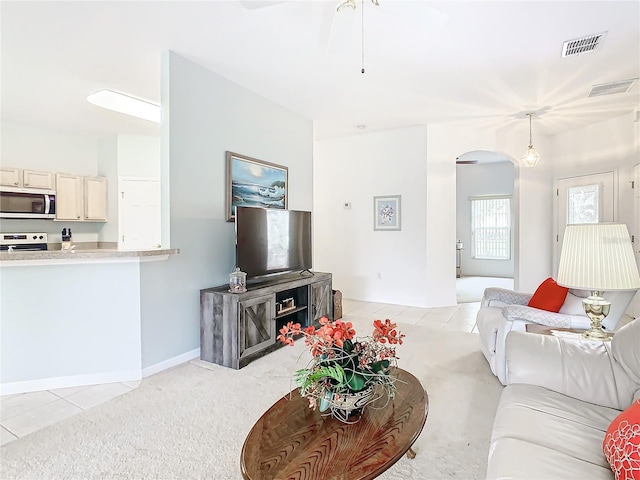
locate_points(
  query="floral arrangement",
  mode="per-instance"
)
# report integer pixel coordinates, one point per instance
(342, 364)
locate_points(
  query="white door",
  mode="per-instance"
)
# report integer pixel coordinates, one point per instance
(583, 199)
(139, 213)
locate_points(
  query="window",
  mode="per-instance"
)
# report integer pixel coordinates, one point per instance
(583, 204)
(491, 227)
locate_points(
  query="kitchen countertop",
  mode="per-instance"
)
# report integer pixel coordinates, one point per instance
(43, 257)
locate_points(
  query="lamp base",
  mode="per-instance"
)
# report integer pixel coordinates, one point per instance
(597, 308)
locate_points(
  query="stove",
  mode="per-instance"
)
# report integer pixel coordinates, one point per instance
(23, 241)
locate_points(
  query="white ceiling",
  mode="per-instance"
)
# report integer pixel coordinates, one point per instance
(426, 62)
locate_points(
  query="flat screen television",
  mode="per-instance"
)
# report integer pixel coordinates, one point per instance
(271, 241)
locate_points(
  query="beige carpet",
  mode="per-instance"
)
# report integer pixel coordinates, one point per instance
(190, 422)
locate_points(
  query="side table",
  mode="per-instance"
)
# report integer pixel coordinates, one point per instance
(545, 330)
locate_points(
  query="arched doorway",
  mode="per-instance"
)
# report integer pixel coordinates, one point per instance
(485, 223)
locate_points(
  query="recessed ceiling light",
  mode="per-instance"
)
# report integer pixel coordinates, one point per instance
(126, 104)
(361, 127)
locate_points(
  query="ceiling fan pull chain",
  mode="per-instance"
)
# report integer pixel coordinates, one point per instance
(362, 71)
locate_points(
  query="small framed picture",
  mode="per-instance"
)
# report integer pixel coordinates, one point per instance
(254, 183)
(386, 212)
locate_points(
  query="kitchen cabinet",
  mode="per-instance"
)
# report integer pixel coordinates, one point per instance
(10, 177)
(81, 198)
(69, 197)
(37, 179)
(237, 328)
(95, 199)
(24, 178)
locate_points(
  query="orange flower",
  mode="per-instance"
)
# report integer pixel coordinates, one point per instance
(385, 332)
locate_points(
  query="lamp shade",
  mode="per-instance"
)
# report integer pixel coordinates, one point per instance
(598, 257)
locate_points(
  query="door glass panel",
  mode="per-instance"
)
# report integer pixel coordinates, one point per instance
(583, 204)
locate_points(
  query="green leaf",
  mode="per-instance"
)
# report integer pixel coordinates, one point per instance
(355, 381)
(305, 377)
(380, 366)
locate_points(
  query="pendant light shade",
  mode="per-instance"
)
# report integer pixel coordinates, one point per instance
(531, 156)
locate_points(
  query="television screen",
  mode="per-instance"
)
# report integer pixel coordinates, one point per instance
(270, 240)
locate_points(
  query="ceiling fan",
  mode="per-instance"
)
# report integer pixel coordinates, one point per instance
(340, 28)
(253, 4)
(352, 4)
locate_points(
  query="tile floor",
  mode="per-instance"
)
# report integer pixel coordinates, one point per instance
(24, 413)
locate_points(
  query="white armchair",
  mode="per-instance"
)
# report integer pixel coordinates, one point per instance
(503, 311)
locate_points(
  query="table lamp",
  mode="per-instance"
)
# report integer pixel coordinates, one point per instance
(597, 257)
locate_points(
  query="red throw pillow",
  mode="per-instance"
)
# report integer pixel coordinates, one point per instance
(549, 296)
(621, 444)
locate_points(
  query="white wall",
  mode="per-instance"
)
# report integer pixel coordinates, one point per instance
(381, 266)
(605, 146)
(611, 145)
(475, 180)
(533, 202)
(40, 149)
(419, 270)
(138, 156)
(108, 167)
(206, 115)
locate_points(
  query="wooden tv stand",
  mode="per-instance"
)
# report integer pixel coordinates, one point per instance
(236, 328)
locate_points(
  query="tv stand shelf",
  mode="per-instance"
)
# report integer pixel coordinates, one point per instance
(236, 328)
(290, 312)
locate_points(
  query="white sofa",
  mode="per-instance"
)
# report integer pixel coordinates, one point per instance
(561, 396)
(503, 311)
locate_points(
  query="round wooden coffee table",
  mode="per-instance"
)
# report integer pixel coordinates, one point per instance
(292, 441)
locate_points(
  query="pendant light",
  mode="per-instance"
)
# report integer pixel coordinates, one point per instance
(531, 156)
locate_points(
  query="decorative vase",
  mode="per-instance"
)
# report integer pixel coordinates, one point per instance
(237, 281)
(347, 407)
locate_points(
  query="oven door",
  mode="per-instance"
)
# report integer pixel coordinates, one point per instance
(24, 204)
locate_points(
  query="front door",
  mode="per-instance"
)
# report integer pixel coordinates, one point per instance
(583, 199)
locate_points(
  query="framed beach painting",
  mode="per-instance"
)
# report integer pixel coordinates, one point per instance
(386, 212)
(254, 183)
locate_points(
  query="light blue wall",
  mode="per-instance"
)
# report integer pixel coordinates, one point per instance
(204, 116)
(69, 321)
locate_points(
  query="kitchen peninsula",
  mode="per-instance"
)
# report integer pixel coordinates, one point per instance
(73, 317)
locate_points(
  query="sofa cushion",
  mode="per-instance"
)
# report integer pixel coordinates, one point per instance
(548, 296)
(572, 305)
(621, 444)
(542, 434)
(625, 349)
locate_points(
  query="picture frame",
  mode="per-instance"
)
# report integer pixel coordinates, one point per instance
(254, 183)
(386, 212)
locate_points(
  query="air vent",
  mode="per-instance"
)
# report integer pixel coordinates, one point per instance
(611, 88)
(577, 46)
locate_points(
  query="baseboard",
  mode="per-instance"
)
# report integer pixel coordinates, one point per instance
(95, 379)
(70, 381)
(171, 362)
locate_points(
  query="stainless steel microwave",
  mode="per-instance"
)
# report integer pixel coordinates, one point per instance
(26, 203)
